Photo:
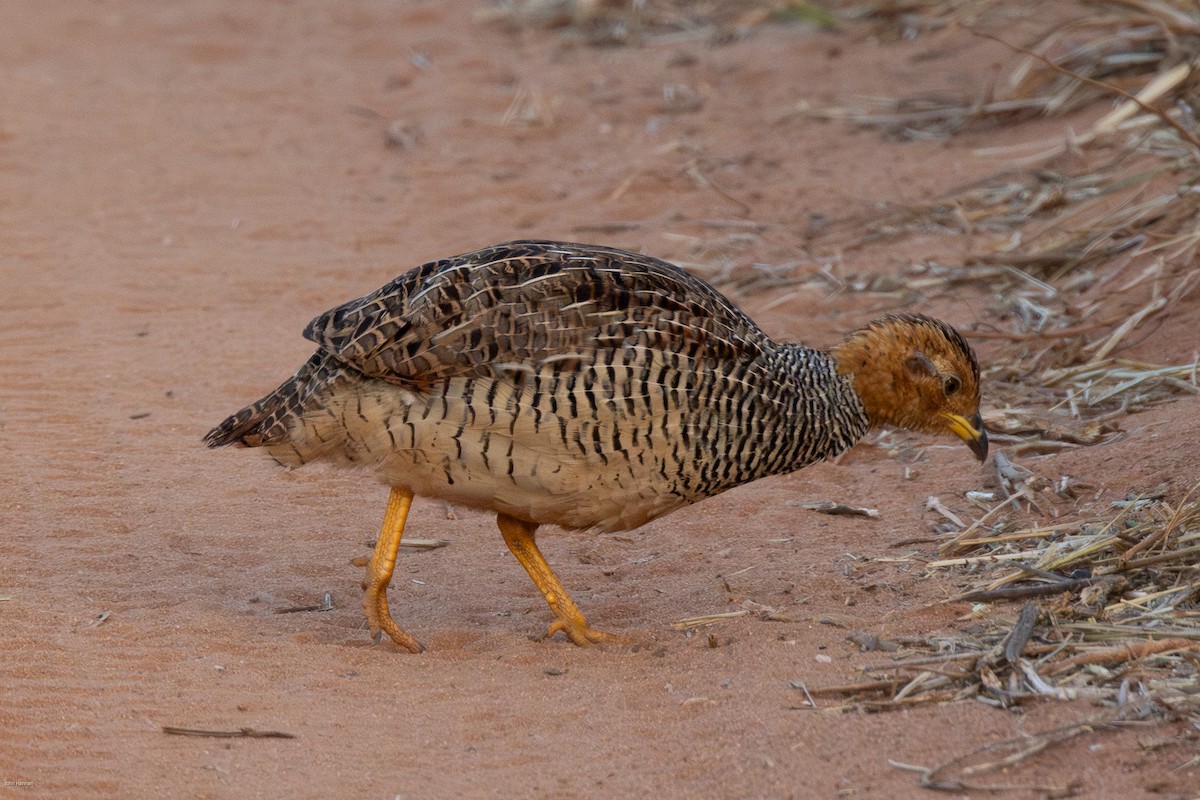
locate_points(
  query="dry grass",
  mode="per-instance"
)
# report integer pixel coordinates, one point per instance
(1071, 54)
(1117, 624)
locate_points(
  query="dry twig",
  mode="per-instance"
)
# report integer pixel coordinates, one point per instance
(240, 733)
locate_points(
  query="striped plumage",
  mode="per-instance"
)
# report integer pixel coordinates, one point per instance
(581, 386)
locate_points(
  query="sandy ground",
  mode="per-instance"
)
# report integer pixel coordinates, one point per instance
(183, 186)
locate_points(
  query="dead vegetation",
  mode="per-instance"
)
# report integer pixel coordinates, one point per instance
(1115, 622)
(1071, 55)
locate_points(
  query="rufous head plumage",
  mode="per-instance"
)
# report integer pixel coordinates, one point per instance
(915, 372)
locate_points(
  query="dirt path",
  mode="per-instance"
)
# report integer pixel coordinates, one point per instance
(183, 186)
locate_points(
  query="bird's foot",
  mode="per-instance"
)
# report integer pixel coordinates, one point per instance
(379, 620)
(379, 574)
(582, 634)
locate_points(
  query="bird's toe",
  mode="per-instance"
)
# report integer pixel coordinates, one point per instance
(583, 634)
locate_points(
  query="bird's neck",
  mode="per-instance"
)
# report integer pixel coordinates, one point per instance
(826, 410)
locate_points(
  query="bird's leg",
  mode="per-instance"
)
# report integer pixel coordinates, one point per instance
(518, 535)
(379, 573)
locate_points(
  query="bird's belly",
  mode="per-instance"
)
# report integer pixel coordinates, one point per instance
(490, 445)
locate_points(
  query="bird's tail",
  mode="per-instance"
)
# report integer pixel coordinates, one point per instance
(268, 422)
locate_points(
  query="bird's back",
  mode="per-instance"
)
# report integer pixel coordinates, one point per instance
(526, 302)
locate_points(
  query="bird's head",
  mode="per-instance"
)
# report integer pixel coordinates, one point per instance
(917, 373)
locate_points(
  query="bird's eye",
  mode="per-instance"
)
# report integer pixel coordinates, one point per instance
(952, 385)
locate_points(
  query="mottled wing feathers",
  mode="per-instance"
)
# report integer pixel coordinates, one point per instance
(527, 303)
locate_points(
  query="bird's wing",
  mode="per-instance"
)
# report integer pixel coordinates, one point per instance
(524, 304)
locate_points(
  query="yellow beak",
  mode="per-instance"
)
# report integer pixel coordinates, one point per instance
(970, 431)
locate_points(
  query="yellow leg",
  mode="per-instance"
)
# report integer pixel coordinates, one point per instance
(518, 535)
(379, 573)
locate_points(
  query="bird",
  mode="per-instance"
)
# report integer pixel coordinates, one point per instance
(589, 388)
